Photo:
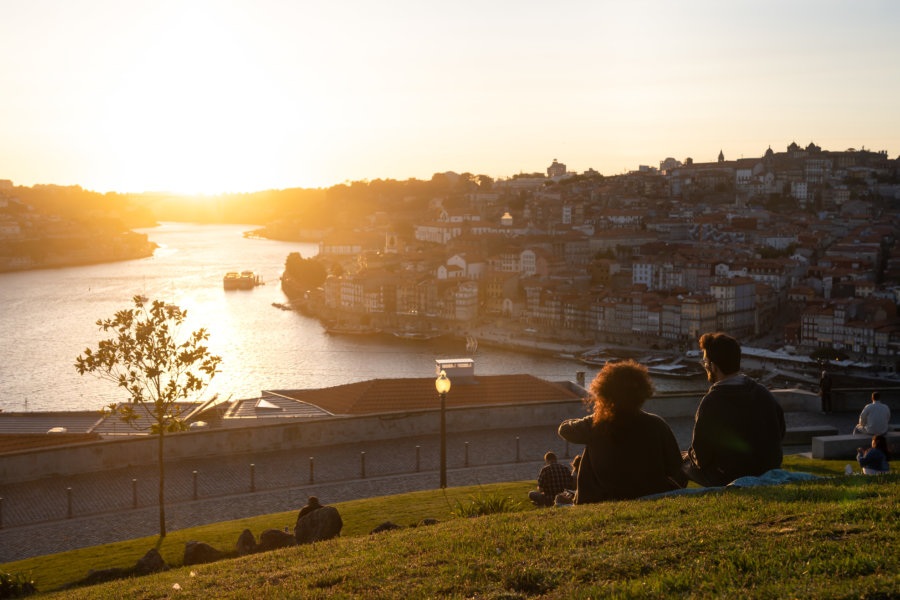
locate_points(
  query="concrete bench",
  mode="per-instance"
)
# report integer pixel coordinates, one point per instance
(844, 446)
(802, 436)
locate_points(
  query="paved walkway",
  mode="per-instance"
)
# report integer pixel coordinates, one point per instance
(35, 515)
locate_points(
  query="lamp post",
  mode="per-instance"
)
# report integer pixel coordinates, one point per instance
(442, 385)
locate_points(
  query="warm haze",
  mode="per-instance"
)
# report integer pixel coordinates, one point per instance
(234, 95)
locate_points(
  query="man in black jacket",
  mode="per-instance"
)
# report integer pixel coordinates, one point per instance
(739, 424)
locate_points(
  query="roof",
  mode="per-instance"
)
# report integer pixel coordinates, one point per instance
(273, 404)
(113, 425)
(15, 442)
(391, 395)
(41, 422)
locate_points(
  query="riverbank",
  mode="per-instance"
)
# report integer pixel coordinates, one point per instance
(54, 253)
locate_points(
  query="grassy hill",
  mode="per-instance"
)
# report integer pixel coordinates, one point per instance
(830, 538)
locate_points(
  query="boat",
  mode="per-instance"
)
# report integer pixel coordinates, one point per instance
(352, 330)
(416, 335)
(245, 280)
(597, 359)
(674, 370)
(232, 280)
(249, 280)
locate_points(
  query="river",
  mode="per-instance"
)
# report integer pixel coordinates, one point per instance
(49, 317)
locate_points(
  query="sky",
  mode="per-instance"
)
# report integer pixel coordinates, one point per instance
(217, 96)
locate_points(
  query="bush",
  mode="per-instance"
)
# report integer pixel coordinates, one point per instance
(484, 505)
(16, 585)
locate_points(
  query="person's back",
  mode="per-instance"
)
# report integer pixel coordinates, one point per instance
(875, 417)
(739, 424)
(553, 479)
(624, 459)
(738, 431)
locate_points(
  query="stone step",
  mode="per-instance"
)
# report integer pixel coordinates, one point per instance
(802, 436)
(844, 446)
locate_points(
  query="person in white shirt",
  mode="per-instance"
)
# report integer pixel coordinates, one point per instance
(874, 418)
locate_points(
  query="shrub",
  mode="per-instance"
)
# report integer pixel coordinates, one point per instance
(16, 585)
(484, 505)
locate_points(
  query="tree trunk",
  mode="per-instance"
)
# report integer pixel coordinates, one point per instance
(162, 488)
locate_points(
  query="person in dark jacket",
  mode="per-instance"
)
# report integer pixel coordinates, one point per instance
(312, 504)
(875, 460)
(738, 426)
(628, 453)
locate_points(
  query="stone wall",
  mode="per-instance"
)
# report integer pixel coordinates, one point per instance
(305, 434)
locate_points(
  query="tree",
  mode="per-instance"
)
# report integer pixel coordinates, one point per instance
(485, 182)
(148, 358)
(308, 272)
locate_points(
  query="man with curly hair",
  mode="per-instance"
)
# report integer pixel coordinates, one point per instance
(738, 426)
(628, 453)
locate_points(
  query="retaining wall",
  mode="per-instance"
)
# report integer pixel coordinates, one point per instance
(303, 434)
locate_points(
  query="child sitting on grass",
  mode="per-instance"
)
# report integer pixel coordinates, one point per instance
(874, 460)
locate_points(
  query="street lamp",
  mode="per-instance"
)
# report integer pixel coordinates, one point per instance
(442, 385)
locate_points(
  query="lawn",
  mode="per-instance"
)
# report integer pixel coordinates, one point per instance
(830, 538)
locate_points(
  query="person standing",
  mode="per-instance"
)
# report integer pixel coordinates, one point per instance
(628, 453)
(874, 418)
(553, 479)
(825, 391)
(739, 425)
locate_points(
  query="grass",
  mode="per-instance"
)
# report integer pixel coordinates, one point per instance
(359, 517)
(831, 538)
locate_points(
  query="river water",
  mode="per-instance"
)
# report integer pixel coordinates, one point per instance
(48, 317)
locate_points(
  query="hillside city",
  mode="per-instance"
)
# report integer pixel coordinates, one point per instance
(794, 248)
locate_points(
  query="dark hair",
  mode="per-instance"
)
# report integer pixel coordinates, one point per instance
(723, 350)
(620, 389)
(880, 442)
(313, 501)
(550, 457)
(876, 395)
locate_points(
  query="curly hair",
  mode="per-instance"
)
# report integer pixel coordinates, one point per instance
(620, 389)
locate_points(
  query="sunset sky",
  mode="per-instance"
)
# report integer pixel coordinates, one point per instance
(241, 95)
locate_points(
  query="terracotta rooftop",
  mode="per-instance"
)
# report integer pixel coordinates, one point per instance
(389, 395)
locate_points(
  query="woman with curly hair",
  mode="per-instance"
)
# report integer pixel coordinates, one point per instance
(628, 453)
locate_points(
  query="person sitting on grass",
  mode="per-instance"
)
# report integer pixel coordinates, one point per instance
(628, 453)
(553, 479)
(875, 460)
(738, 426)
(567, 496)
(311, 505)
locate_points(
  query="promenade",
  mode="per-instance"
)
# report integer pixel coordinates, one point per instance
(36, 521)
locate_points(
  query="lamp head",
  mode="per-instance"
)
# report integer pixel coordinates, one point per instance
(442, 383)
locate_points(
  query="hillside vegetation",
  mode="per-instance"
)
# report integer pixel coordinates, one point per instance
(831, 538)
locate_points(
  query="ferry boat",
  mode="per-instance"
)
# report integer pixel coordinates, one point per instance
(249, 280)
(232, 280)
(245, 280)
